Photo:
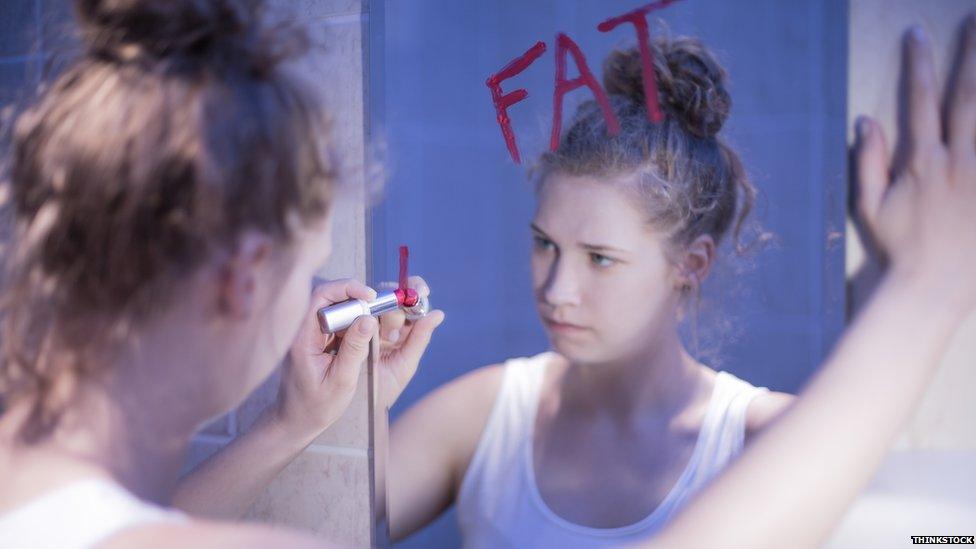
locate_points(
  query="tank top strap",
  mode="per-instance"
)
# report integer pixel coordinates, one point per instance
(495, 466)
(523, 383)
(79, 515)
(723, 428)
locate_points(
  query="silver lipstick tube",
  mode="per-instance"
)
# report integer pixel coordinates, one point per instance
(340, 316)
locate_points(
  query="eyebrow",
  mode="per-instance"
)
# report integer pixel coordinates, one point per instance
(587, 246)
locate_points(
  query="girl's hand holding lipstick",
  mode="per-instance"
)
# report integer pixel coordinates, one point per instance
(321, 372)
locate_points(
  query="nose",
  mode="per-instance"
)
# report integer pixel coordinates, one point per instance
(561, 288)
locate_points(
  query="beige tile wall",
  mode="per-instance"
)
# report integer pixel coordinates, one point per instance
(326, 489)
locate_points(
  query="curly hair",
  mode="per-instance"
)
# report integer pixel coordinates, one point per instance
(179, 127)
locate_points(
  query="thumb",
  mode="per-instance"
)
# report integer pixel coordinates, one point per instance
(353, 351)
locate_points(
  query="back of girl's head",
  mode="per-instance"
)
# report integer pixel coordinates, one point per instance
(179, 127)
(680, 171)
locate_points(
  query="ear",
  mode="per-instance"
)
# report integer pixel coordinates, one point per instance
(239, 273)
(695, 263)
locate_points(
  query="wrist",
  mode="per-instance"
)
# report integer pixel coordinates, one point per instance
(285, 429)
(938, 294)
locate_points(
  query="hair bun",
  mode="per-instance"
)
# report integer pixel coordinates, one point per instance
(123, 29)
(691, 83)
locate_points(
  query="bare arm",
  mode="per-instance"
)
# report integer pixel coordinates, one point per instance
(431, 446)
(316, 388)
(226, 485)
(797, 478)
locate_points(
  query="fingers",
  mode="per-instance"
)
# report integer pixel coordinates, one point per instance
(353, 351)
(871, 156)
(922, 94)
(962, 114)
(419, 284)
(340, 290)
(415, 345)
(310, 336)
(391, 324)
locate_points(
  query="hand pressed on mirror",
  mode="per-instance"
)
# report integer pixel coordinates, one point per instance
(824, 449)
(919, 210)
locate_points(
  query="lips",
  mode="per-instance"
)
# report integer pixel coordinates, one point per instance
(562, 326)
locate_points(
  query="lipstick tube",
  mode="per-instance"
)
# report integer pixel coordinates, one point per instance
(340, 316)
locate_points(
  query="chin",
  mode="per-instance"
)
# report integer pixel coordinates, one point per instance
(591, 351)
(579, 352)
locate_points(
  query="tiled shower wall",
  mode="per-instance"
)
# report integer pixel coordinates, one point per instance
(327, 488)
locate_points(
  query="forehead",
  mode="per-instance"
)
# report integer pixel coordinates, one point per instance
(590, 210)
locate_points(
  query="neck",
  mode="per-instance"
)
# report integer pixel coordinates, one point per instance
(140, 443)
(661, 379)
(132, 423)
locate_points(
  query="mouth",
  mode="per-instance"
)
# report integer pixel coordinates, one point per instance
(562, 327)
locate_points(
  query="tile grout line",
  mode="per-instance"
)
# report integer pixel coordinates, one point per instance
(344, 451)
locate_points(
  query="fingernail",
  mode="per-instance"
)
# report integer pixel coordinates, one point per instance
(394, 336)
(367, 325)
(918, 34)
(862, 126)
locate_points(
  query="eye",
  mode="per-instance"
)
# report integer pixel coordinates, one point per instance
(542, 243)
(601, 260)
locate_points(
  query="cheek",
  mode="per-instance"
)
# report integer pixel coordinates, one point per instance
(539, 264)
(631, 300)
(299, 299)
(289, 311)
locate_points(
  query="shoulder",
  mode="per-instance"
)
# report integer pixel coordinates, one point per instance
(473, 394)
(446, 425)
(480, 385)
(764, 409)
(476, 391)
(205, 534)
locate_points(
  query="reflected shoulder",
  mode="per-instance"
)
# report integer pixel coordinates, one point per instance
(764, 409)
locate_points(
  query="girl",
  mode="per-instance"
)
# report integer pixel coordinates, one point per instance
(171, 194)
(212, 302)
(602, 439)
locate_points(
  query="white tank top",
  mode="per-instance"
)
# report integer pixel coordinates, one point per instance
(79, 515)
(499, 504)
